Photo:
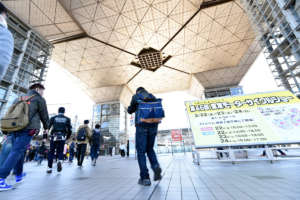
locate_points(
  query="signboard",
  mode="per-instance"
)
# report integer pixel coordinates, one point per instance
(176, 135)
(264, 118)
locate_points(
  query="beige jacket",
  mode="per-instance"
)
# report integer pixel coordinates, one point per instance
(88, 134)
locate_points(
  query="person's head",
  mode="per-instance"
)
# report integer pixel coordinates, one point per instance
(61, 110)
(139, 89)
(43, 143)
(3, 15)
(38, 87)
(86, 121)
(73, 139)
(97, 126)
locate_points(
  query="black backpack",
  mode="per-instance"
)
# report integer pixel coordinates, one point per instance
(96, 138)
(81, 137)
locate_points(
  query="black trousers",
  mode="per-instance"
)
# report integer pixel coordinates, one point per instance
(81, 148)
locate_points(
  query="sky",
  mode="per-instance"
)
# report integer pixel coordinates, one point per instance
(62, 90)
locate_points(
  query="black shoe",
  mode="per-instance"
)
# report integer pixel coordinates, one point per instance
(157, 172)
(59, 167)
(144, 181)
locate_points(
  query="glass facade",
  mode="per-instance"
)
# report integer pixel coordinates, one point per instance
(165, 145)
(277, 24)
(29, 63)
(112, 119)
(220, 92)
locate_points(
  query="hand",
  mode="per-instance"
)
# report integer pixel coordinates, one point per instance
(44, 140)
(46, 131)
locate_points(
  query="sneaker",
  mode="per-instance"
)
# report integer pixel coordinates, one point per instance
(157, 172)
(144, 181)
(262, 155)
(4, 186)
(20, 177)
(79, 164)
(49, 170)
(94, 163)
(59, 167)
(284, 154)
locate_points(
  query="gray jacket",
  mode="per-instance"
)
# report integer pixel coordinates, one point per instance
(37, 111)
(6, 49)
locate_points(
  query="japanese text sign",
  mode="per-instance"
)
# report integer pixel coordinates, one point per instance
(258, 118)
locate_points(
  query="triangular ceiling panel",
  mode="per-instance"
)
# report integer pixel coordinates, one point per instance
(214, 43)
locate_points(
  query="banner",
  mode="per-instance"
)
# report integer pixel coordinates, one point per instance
(248, 119)
(176, 135)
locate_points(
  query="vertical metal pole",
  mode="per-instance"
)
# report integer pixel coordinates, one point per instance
(231, 155)
(269, 153)
(183, 147)
(16, 72)
(171, 146)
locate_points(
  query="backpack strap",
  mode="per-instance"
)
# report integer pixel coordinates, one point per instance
(140, 96)
(27, 99)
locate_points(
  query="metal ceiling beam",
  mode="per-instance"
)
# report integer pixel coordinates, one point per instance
(111, 45)
(68, 39)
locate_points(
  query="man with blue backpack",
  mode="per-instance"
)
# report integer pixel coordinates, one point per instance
(148, 114)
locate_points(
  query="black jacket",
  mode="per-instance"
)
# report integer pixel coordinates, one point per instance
(61, 123)
(133, 108)
(37, 111)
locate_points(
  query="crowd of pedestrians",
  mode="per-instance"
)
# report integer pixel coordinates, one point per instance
(32, 112)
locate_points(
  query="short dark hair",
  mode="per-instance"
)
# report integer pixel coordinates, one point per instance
(2, 9)
(61, 110)
(36, 85)
(86, 121)
(139, 89)
(97, 126)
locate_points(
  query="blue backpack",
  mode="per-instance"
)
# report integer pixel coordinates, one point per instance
(150, 110)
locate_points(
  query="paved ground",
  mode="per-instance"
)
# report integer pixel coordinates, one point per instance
(116, 178)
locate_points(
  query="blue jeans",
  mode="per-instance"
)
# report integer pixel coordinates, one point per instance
(71, 155)
(59, 146)
(15, 159)
(40, 158)
(94, 151)
(145, 139)
(6, 148)
(81, 148)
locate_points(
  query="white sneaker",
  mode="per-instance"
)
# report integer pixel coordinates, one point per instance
(49, 170)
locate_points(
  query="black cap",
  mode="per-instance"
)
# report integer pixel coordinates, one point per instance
(61, 110)
(86, 121)
(139, 89)
(36, 85)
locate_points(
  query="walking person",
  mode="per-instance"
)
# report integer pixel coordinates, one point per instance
(122, 149)
(96, 141)
(6, 42)
(41, 153)
(145, 139)
(82, 136)
(65, 151)
(72, 150)
(20, 139)
(6, 148)
(61, 132)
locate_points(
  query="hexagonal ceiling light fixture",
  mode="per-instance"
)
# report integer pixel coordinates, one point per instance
(150, 59)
